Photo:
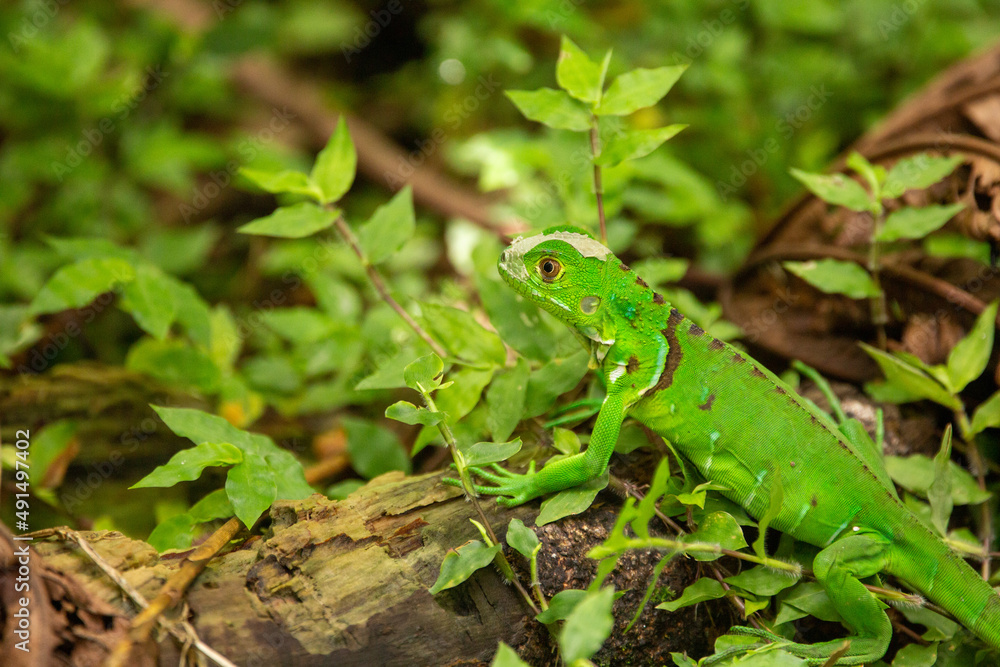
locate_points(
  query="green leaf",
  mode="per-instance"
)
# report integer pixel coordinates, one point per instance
(507, 657)
(638, 89)
(916, 223)
(700, 591)
(916, 474)
(505, 400)
(292, 222)
(566, 441)
(408, 413)
(554, 108)
(80, 283)
(187, 464)
(518, 321)
(374, 450)
(553, 380)
(762, 581)
(716, 528)
(873, 175)
(198, 427)
(522, 539)
(571, 501)
(459, 564)
(588, 626)
(213, 506)
(176, 363)
(910, 379)
(335, 165)
(915, 655)
(918, 172)
(250, 487)
(46, 445)
(424, 374)
(661, 270)
(177, 532)
(287, 180)
(578, 75)
(834, 276)
(810, 598)
(193, 312)
(483, 453)
(288, 474)
(836, 189)
(561, 605)
(150, 300)
(987, 415)
(969, 357)
(389, 228)
(299, 324)
(633, 144)
(939, 492)
(463, 336)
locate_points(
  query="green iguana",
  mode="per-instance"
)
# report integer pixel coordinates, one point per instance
(739, 425)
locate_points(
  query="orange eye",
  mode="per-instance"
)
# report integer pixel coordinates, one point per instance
(549, 268)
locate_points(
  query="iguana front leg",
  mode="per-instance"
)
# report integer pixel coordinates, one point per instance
(839, 569)
(625, 377)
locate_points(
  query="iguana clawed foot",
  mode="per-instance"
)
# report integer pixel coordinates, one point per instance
(519, 487)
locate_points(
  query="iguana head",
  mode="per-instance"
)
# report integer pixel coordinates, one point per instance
(560, 270)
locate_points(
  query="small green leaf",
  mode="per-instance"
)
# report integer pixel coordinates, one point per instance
(588, 626)
(46, 446)
(633, 144)
(987, 415)
(80, 283)
(834, 276)
(916, 474)
(918, 172)
(213, 506)
(176, 363)
(700, 591)
(484, 453)
(522, 539)
(571, 501)
(566, 441)
(408, 413)
(507, 657)
(808, 597)
(911, 380)
(505, 400)
(176, 532)
(554, 108)
(389, 228)
(578, 75)
(187, 464)
(150, 300)
(561, 605)
(374, 450)
(250, 487)
(424, 373)
(969, 357)
(916, 223)
(762, 581)
(915, 655)
(285, 181)
(939, 493)
(459, 564)
(335, 165)
(292, 222)
(638, 89)
(836, 189)
(716, 528)
(872, 175)
(463, 336)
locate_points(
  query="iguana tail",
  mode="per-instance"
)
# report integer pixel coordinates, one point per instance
(931, 567)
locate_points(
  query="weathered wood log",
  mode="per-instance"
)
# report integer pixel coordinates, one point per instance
(345, 583)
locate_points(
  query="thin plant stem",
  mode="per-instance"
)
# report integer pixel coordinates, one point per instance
(979, 470)
(595, 149)
(879, 314)
(376, 280)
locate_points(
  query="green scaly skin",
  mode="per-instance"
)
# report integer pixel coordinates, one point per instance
(739, 425)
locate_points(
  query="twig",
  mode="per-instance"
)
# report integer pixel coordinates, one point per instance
(376, 279)
(187, 636)
(173, 590)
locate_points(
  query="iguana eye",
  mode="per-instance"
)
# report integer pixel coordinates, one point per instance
(549, 268)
